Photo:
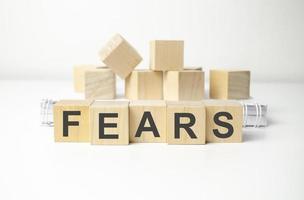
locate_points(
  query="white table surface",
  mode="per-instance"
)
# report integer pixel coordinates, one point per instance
(269, 163)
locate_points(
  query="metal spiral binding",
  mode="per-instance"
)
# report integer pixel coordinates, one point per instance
(46, 112)
(254, 114)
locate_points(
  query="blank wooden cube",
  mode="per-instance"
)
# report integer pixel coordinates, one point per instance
(166, 55)
(229, 84)
(186, 122)
(109, 122)
(120, 56)
(78, 76)
(147, 121)
(144, 84)
(71, 121)
(224, 121)
(184, 85)
(100, 83)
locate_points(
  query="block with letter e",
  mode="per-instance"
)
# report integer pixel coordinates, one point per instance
(224, 121)
(109, 122)
(186, 122)
(71, 121)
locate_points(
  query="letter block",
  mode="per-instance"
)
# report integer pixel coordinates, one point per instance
(144, 84)
(100, 83)
(166, 55)
(109, 122)
(229, 84)
(147, 121)
(79, 74)
(120, 56)
(71, 121)
(186, 122)
(224, 121)
(186, 85)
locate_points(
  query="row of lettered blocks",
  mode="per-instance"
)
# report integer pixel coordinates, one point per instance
(184, 85)
(122, 122)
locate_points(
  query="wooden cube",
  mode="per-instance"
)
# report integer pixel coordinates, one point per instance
(224, 121)
(78, 76)
(71, 121)
(147, 121)
(166, 55)
(109, 122)
(100, 83)
(186, 122)
(229, 84)
(186, 85)
(144, 84)
(120, 56)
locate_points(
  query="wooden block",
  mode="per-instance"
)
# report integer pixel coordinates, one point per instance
(71, 121)
(224, 121)
(184, 85)
(186, 122)
(78, 76)
(147, 121)
(109, 122)
(144, 84)
(166, 55)
(100, 83)
(120, 56)
(229, 84)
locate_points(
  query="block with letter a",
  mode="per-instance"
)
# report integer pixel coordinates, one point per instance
(147, 121)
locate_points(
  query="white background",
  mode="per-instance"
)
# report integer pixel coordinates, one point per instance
(43, 39)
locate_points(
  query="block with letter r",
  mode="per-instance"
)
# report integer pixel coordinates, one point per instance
(186, 122)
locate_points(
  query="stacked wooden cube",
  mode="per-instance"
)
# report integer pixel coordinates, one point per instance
(166, 78)
(167, 96)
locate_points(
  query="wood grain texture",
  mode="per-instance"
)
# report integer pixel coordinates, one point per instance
(166, 55)
(229, 84)
(195, 108)
(78, 76)
(77, 133)
(120, 56)
(157, 110)
(239, 85)
(144, 85)
(100, 83)
(121, 121)
(186, 85)
(235, 109)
